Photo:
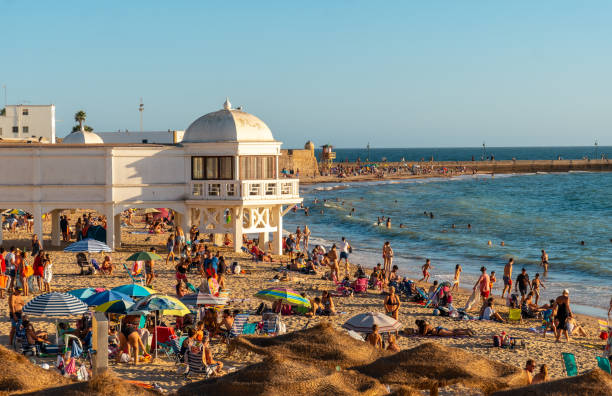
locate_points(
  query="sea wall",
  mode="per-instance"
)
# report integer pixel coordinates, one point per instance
(302, 159)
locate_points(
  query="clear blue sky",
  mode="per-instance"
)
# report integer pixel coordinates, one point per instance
(395, 74)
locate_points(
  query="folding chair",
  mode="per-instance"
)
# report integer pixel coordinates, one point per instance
(569, 361)
(135, 278)
(270, 323)
(604, 364)
(238, 326)
(514, 315)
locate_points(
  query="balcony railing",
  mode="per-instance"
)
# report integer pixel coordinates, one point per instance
(244, 190)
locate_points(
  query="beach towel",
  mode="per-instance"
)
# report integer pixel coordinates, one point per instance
(474, 299)
(76, 350)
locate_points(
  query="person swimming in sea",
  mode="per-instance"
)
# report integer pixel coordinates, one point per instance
(388, 222)
(431, 215)
(544, 261)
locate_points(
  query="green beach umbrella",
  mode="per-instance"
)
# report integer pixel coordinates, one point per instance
(282, 293)
(144, 256)
(84, 293)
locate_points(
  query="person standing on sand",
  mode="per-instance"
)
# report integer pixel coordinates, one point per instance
(306, 237)
(298, 237)
(545, 261)
(345, 248)
(508, 277)
(535, 287)
(458, 270)
(522, 283)
(483, 283)
(332, 256)
(562, 313)
(426, 267)
(149, 270)
(387, 254)
(15, 305)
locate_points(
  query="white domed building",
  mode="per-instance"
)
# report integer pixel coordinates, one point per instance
(223, 177)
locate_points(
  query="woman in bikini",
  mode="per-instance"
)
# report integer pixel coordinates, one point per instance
(392, 304)
(425, 329)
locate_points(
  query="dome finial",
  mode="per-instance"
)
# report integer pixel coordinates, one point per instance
(227, 105)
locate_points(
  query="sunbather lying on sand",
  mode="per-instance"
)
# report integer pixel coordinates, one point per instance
(425, 329)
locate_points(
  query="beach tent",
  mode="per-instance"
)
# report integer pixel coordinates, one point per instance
(281, 376)
(430, 366)
(362, 323)
(97, 232)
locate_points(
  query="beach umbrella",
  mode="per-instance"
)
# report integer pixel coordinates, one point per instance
(84, 293)
(134, 290)
(282, 293)
(162, 213)
(144, 256)
(161, 303)
(55, 304)
(202, 299)
(363, 323)
(116, 306)
(106, 296)
(17, 212)
(88, 245)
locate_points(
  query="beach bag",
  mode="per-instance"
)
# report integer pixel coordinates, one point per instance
(82, 374)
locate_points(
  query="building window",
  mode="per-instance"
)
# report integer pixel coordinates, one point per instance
(257, 167)
(25, 129)
(212, 168)
(25, 112)
(15, 129)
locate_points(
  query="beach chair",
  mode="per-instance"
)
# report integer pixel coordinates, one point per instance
(253, 255)
(139, 278)
(361, 285)
(515, 315)
(195, 365)
(604, 364)
(192, 288)
(172, 348)
(569, 362)
(238, 326)
(95, 266)
(423, 295)
(249, 328)
(84, 264)
(270, 323)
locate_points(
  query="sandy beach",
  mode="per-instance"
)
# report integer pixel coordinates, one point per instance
(162, 371)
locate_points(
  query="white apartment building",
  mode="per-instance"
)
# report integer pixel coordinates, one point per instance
(28, 122)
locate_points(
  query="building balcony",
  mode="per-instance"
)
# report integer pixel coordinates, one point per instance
(245, 190)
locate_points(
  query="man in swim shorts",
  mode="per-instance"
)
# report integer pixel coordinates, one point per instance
(508, 277)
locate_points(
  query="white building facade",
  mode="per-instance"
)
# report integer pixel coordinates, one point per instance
(223, 178)
(155, 137)
(28, 122)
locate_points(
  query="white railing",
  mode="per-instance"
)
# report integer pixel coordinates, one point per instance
(248, 189)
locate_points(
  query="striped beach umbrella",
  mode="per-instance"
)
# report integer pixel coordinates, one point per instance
(106, 296)
(363, 323)
(203, 299)
(116, 307)
(88, 245)
(55, 304)
(161, 303)
(282, 293)
(134, 290)
(84, 293)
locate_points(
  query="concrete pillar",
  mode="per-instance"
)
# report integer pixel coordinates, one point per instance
(99, 343)
(117, 220)
(110, 226)
(277, 244)
(56, 234)
(264, 238)
(237, 228)
(38, 227)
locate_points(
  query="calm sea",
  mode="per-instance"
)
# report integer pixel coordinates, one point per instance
(466, 153)
(529, 212)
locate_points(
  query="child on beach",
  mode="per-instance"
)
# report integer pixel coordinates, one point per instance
(426, 267)
(47, 273)
(492, 280)
(535, 287)
(458, 270)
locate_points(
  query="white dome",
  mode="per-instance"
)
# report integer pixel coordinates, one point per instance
(82, 137)
(228, 125)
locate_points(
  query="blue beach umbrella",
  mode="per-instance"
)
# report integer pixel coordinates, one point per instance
(106, 296)
(88, 245)
(134, 290)
(116, 307)
(84, 293)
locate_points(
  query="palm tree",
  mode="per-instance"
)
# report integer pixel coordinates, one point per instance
(80, 117)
